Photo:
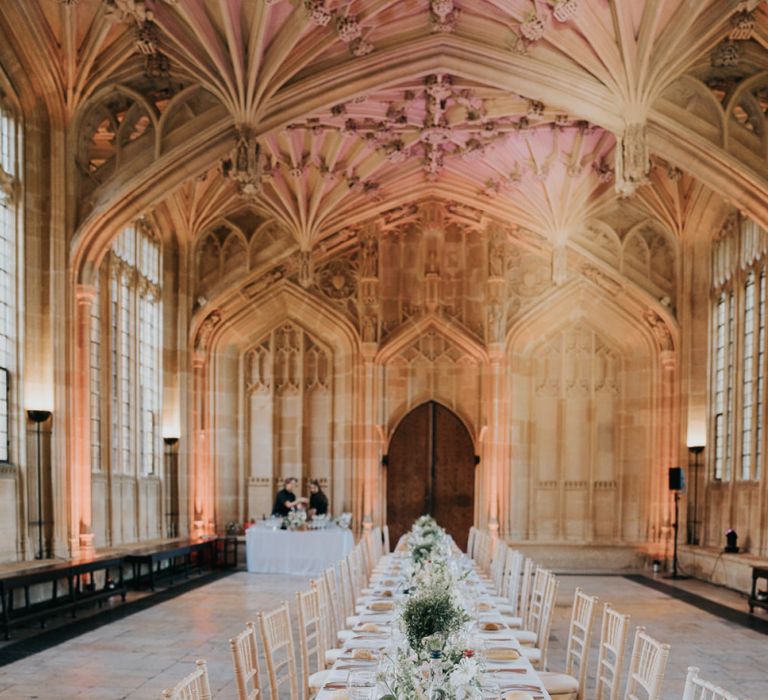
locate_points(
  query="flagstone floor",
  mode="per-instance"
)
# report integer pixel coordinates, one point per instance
(138, 656)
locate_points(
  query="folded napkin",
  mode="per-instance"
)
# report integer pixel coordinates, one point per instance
(512, 695)
(502, 654)
(366, 654)
(338, 695)
(368, 627)
(381, 605)
(491, 626)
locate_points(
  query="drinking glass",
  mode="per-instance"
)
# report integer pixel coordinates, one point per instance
(490, 691)
(361, 685)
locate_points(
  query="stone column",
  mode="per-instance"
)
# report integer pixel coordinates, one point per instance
(81, 531)
(495, 440)
(370, 452)
(198, 514)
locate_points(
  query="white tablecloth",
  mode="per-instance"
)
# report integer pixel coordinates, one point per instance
(302, 553)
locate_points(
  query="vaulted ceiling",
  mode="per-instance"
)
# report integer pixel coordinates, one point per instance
(320, 114)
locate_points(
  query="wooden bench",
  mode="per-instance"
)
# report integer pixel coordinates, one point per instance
(80, 589)
(758, 572)
(179, 555)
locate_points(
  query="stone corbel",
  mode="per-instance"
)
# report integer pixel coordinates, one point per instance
(306, 269)
(633, 161)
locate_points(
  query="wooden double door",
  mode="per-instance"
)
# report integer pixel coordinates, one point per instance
(431, 469)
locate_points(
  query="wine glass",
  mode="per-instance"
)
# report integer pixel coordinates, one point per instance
(361, 685)
(490, 691)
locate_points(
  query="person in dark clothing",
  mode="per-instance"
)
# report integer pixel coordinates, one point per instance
(318, 501)
(286, 499)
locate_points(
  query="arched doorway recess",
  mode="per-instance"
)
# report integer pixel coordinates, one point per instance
(431, 469)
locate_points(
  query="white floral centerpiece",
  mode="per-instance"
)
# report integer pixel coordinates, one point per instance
(344, 520)
(429, 656)
(295, 520)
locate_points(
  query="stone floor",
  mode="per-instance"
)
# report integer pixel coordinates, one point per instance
(138, 656)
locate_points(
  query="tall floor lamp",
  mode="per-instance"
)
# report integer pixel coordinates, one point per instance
(172, 486)
(693, 536)
(39, 417)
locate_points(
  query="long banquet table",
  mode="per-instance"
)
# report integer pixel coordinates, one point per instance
(306, 553)
(516, 678)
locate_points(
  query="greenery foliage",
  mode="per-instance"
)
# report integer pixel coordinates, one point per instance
(431, 616)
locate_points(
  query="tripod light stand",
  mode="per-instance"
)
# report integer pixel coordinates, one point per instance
(39, 417)
(676, 485)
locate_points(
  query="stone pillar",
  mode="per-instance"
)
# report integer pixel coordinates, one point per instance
(81, 531)
(494, 451)
(198, 514)
(370, 452)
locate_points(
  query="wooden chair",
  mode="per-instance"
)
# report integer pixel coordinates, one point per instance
(646, 668)
(696, 688)
(346, 589)
(512, 570)
(385, 543)
(194, 687)
(525, 591)
(334, 602)
(537, 655)
(567, 686)
(471, 542)
(277, 641)
(245, 657)
(613, 642)
(312, 645)
(497, 566)
(537, 587)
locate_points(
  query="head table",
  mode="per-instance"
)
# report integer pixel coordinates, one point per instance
(303, 553)
(499, 653)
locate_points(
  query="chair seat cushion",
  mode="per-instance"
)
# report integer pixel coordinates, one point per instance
(345, 635)
(318, 679)
(332, 656)
(533, 654)
(512, 621)
(560, 686)
(525, 637)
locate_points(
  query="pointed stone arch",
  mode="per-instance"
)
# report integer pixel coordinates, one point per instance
(219, 420)
(592, 419)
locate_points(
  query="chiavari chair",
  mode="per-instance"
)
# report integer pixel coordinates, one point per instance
(279, 654)
(194, 687)
(613, 642)
(696, 688)
(537, 655)
(647, 667)
(245, 658)
(312, 640)
(567, 686)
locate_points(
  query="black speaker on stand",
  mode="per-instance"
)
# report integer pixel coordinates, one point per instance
(676, 485)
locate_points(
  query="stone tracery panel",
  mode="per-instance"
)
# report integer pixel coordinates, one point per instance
(574, 404)
(227, 250)
(432, 366)
(288, 403)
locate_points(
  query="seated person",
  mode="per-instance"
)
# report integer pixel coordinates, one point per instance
(286, 499)
(318, 501)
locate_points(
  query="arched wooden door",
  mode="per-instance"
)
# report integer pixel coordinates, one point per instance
(431, 469)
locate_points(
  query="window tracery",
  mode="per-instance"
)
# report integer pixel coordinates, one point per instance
(132, 331)
(738, 335)
(10, 150)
